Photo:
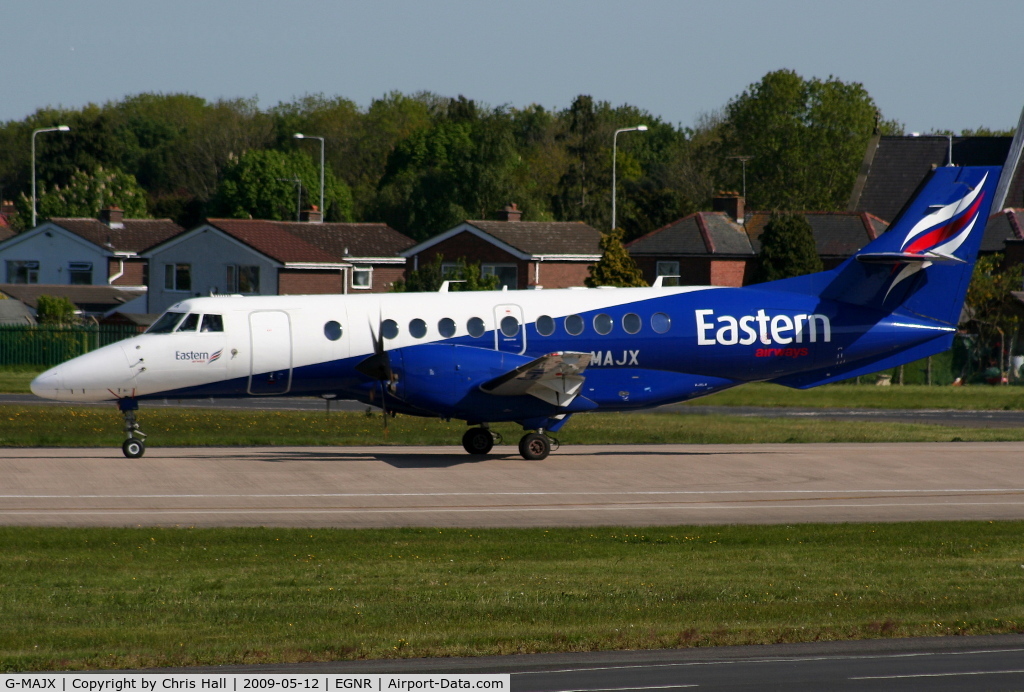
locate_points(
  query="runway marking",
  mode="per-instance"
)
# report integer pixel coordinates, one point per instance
(519, 494)
(937, 675)
(775, 659)
(626, 689)
(464, 510)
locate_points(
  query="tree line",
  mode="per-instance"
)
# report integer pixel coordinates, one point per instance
(424, 162)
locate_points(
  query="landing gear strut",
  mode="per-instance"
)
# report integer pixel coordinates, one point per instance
(133, 447)
(478, 440)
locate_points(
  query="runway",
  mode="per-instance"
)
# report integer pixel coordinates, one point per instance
(356, 487)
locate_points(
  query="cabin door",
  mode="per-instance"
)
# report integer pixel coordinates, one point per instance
(509, 330)
(271, 344)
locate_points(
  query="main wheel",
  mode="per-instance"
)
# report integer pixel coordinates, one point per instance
(534, 446)
(133, 448)
(477, 441)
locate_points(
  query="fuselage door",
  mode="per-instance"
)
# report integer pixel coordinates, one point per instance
(271, 342)
(509, 330)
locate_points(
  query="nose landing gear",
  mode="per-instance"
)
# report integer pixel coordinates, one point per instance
(133, 447)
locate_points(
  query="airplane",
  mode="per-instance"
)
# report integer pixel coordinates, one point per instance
(538, 357)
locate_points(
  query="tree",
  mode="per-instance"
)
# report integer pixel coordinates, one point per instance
(788, 248)
(991, 309)
(429, 277)
(55, 310)
(807, 139)
(85, 195)
(260, 184)
(616, 267)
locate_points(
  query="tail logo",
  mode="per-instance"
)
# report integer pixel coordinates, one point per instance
(940, 233)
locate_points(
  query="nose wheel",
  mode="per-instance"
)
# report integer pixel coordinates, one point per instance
(133, 447)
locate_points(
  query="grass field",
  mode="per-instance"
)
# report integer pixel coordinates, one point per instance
(91, 426)
(116, 598)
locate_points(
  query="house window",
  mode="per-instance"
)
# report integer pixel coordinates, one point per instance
(362, 277)
(22, 271)
(243, 279)
(80, 273)
(178, 277)
(508, 274)
(670, 270)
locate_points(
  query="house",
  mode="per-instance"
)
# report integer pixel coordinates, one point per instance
(14, 312)
(84, 252)
(708, 248)
(258, 257)
(93, 301)
(894, 166)
(522, 254)
(720, 248)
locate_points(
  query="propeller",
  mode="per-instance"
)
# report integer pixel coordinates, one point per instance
(378, 367)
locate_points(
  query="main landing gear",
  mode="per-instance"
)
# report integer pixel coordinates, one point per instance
(133, 447)
(533, 446)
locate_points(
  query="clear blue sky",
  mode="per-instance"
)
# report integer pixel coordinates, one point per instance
(935, 64)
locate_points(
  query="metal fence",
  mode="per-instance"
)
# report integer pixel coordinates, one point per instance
(47, 345)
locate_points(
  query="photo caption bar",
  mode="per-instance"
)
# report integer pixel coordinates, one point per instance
(103, 681)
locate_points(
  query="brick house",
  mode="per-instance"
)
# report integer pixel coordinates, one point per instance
(720, 248)
(522, 254)
(82, 251)
(258, 257)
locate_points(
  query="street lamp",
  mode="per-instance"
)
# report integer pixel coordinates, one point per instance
(299, 135)
(743, 158)
(638, 128)
(59, 128)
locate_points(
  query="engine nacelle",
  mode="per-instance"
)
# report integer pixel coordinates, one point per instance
(445, 378)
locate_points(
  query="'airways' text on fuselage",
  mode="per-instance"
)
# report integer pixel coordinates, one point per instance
(727, 330)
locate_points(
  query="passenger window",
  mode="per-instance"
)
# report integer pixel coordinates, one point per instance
(189, 324)
(603, 324)
(631, 323)
(165, 325)
(475, 326)
(389, 329)
(574, 325)
(418, 328)
(545, 325)
(660, 322)
(509, 325)
(332, 330)
(215, 323)
(446, 327)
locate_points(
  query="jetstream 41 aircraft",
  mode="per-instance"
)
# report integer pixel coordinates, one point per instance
(537, 357)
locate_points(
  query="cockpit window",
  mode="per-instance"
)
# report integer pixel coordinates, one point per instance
(166, 323)
(212, 323)
(189, 324)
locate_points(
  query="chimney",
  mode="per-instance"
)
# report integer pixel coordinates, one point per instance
(731, 203)
(510, 213)
(113, 217)
(312, 215)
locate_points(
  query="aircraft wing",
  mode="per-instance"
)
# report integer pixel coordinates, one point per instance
(555, 378)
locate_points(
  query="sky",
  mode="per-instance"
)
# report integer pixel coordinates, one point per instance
(930, 65)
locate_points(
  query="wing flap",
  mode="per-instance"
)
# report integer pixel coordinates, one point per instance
(555, 378)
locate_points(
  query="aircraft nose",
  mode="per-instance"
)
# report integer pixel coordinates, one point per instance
(48, 384)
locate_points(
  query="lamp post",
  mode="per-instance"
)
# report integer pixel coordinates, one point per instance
(299, 135)
(638, 128)
(59, 128)
(743, 158)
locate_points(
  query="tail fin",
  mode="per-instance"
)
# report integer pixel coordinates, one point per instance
(922, 264)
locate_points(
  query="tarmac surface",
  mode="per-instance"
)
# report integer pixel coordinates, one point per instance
(597, 485)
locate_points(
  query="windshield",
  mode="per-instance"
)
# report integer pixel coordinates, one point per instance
(166, 323)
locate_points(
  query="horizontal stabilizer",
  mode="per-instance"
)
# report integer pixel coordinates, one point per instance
(555, 378)
(931, 256)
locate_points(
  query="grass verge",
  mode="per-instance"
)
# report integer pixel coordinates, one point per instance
(58, 426)
(117, 598)
(969, 398)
